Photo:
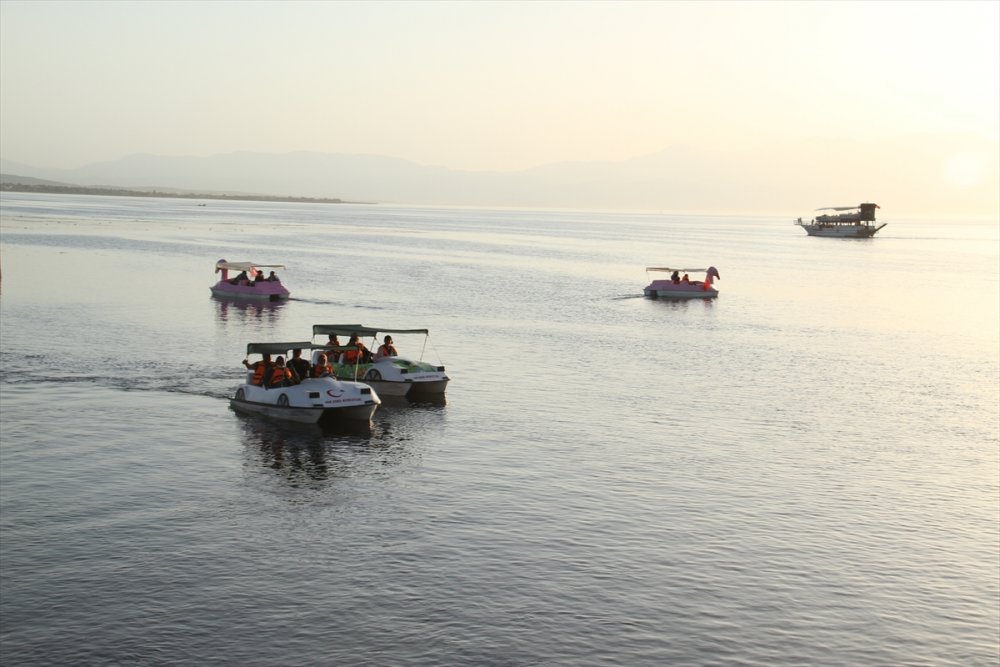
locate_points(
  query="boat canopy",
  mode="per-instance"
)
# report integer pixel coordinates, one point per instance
(283, 348)
(846, 208)
(666, 268)
(360, 330)
(245, 266)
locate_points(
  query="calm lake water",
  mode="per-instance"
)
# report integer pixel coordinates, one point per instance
(804, 471)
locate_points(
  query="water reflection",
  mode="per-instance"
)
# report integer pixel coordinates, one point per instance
(673, 303)
(245, 311)
(307, 454)
(402, 402)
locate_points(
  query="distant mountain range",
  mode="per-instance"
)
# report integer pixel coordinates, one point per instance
(902, 174)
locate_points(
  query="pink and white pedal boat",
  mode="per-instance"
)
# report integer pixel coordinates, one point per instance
(251, 283)
(679, 286)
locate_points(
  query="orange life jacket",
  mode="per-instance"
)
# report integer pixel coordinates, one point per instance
(319, 371)
(351, 356)
(278, 375)
(259, 368)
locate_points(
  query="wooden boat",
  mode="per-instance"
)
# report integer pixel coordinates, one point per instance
(856, 222)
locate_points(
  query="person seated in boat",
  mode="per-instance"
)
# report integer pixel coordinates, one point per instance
(358, 355)
(239, 279)
(386, 349)
(281, 375)
(299, 366)
(322, 368)
(675, 277)
(685, 279)
(272, 278)
(333, 341)
(259, 369)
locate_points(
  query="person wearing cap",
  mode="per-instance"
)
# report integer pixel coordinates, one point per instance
(386, 349)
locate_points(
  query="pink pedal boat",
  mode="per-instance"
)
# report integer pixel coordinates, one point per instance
(250, 283)
(678, 287)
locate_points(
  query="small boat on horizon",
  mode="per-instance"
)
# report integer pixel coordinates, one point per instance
(682, 287)
(250, 283)
(854, 222)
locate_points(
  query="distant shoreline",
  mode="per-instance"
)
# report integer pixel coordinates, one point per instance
(125, 192)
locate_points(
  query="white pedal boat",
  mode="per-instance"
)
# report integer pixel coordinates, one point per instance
(676, 287)
(399, 376)
(312, 401)
(250, 284)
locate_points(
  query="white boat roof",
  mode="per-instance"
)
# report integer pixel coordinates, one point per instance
(667, 268)
(283, 348)
(246, 266)
(360, 330)
(846, 208)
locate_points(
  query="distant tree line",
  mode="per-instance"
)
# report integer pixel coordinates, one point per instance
(124, 192)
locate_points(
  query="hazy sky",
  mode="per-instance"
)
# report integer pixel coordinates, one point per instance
(484, 85)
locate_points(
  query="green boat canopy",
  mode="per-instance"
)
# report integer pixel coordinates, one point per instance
(360, 330)
(245, 266)
(283, 348)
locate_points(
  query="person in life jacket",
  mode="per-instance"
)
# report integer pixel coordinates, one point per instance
(259, 369)
(357, 355)
(334, 342)
(322, 368)
(280, 376)
(386, 349)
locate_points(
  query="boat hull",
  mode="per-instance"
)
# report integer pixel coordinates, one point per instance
(842, 231)
(260, 291)
(305, 415)
(666, 289)
(312, 401)
(431, 389)
(397, 377)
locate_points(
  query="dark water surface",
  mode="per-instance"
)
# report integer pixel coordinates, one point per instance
(803, 471)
